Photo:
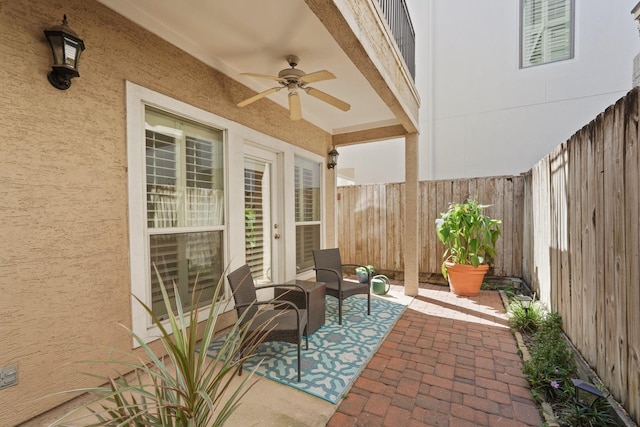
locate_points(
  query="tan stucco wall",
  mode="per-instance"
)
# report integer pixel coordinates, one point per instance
(64, 256)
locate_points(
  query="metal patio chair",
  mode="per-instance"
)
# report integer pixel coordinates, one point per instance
(328, 266)
(271, 322)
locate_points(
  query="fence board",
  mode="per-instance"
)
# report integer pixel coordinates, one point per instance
(632, 253)
(601, 241)
(615, 185)
(586, 332)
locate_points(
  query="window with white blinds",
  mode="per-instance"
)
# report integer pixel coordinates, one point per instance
(185, 206)
(307, 211)
(546, 31)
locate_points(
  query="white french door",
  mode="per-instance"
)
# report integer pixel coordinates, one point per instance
(262, 213)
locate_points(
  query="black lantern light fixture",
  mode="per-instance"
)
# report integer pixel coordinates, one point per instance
(525, 302)
(333, 158)
(66, 47)
(586, 394)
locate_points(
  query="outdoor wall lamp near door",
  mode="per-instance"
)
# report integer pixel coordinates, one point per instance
(66, 47)
(333, 158)
(525, 302)
(586, 394)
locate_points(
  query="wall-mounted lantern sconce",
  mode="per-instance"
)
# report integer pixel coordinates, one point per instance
(586, 394)
(333, 158)
(525, 302)
(66, 47)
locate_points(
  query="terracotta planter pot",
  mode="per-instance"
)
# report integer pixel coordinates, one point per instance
(465, 280)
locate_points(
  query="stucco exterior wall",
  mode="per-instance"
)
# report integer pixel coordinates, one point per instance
(64, 257)
(481, 114)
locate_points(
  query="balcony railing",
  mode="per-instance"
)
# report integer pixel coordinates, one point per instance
(399, 21)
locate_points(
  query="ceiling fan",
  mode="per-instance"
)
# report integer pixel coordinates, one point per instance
(294, 80)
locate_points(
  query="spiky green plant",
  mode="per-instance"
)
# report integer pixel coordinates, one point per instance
(186, 387)
(525, 320)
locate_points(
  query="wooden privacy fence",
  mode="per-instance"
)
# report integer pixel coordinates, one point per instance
(371, 221)
(582, 247)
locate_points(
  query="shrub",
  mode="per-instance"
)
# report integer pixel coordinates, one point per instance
(552, 365)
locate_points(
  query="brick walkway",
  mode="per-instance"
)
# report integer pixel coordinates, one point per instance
(449, 361)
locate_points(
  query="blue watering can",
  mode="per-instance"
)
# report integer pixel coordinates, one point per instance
(380, 284)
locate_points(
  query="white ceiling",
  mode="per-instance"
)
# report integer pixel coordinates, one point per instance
(256, 36)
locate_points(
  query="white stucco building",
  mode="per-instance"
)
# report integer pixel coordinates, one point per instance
(483, 112)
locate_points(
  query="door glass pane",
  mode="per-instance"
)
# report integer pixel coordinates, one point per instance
(307, 239)
(257, 212)
(307, 211)
(307, 185)
(181, 257)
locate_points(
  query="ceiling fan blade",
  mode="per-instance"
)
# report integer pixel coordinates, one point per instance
(262, 76)
(295, 110)
(318, 76)
(261, 95)
(328, 98)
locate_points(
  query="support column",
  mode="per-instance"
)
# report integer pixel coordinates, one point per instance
(411, 229)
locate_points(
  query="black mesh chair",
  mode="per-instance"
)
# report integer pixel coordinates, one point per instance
(328, 266)
(270, 322)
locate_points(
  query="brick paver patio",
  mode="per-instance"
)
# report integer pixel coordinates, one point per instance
(449, 361)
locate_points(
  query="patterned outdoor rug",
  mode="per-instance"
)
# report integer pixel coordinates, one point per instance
(336, 353)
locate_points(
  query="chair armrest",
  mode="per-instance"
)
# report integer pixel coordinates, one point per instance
(287, 285)
(295, 307)
(338, 275)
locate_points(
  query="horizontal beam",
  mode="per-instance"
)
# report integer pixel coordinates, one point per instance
(369, 135)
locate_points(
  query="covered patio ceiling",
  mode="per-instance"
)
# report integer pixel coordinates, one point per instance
(256, 36)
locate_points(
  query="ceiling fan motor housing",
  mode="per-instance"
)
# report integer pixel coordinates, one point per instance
(291, 75)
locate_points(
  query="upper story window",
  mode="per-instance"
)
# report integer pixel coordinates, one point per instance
(546, 31)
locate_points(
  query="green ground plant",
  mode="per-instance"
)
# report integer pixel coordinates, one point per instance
(526, 321)
(552, 366)
(571, 414)
(185, 388)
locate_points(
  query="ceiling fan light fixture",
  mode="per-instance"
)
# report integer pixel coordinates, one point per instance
(295, 109)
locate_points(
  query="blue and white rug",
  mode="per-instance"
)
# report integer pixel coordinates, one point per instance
(337, 354)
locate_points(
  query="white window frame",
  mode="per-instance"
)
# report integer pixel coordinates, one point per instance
(543, 34)
(138, 98)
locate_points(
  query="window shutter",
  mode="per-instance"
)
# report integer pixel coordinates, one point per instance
(546, 31)
(532, 28)
(254, 221)
(557, 40)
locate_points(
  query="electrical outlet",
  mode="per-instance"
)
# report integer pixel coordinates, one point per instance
(8, 376)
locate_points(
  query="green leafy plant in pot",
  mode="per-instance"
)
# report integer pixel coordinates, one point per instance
(470, 239)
